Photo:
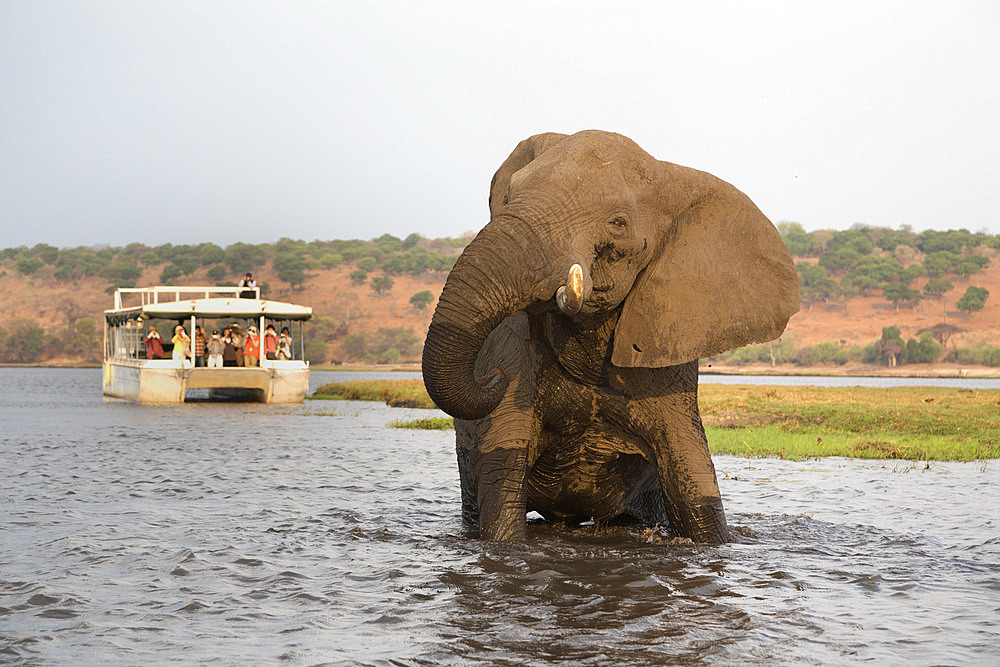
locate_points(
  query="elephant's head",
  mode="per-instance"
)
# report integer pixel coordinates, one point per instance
(590, 222)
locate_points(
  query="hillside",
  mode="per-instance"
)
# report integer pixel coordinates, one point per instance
(356, 325)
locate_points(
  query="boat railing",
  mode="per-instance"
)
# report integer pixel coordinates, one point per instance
(159, 293)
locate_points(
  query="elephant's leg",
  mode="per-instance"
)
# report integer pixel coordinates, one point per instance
(467, 480)
(663, 411)
(687, 475)
(501, 495)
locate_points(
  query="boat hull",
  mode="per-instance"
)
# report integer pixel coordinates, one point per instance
(167, 381)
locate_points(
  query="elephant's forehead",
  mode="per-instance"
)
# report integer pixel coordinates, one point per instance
(573, 175)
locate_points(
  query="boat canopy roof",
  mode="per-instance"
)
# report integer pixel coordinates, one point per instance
(211, 308)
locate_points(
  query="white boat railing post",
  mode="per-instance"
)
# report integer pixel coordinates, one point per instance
(260, 342)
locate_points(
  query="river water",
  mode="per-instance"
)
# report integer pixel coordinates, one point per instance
(243, 533)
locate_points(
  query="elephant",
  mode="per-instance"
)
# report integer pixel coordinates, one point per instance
(566, 339)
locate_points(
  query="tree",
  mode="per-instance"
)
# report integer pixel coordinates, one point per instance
(290, 267)
(83, 340)
(388, 243)
(242, 257)
(839, 259)
(332, 260)
(899, 293)
(356, 345)
(209, 253)
(28, 265)
(366, 264)
(382, 284)
(941, 332)
(217, 273)
(924, 351)
(890, 346)
(411, 240)
(421, 300)
(973, 300)
(797, 240)
(941, 262)
(813, 283)
(358, 276)
(45, 252)
(966, 266)
(316, 352)
(122, 274)
(23, 342)
(935, 287)
(169, 272)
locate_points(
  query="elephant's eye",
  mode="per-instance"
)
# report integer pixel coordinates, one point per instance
(620, 223)
(506, 198)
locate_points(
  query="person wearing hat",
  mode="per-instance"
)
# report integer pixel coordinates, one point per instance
(182, 344)
(250, 285)
(153, 343)
(251, 347)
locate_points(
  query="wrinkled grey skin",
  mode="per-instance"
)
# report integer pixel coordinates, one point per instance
(586, 406)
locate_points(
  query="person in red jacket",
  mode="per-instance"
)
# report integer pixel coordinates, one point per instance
(154, 343)
(251, 347)
(270, 343)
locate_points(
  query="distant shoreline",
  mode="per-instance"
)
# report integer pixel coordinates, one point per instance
(851, 370)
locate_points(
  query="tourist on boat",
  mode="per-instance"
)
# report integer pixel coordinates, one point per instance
(249, 283)
(237, 342)
(251, 347)
(182, 344)
(229, 355)
(153, 343)
(284, 344)
(215, 349)
(200, 339)
(270, 343)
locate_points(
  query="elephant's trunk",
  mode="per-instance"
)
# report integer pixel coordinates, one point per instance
(498, 274)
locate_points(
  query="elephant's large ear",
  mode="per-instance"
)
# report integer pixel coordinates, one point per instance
(723, 279)
(525, 152)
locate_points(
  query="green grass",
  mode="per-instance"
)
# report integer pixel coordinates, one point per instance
(397, 393)
(916, 423)
(426, 424)
(919, 423)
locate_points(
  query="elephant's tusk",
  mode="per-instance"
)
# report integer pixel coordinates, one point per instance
(569, 297)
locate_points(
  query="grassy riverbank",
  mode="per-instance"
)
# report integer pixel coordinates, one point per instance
(397, 393)
(918, 423)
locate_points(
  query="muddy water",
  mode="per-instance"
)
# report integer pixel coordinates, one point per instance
(246, 533)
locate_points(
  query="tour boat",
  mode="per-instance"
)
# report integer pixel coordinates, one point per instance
(128, 374)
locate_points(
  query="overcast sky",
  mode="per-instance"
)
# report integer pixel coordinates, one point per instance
(185, 122)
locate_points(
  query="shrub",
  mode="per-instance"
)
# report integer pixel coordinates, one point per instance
(422, 299)
(366, 264)
(984, 355)
(358, 276)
